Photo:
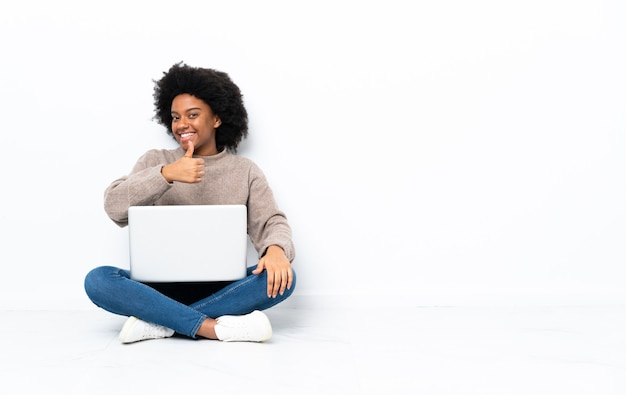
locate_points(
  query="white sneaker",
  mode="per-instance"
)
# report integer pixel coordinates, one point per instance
(253, 327)
(135, 330)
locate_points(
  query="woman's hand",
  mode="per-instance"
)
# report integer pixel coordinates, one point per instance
(186, 169)
(279, 273)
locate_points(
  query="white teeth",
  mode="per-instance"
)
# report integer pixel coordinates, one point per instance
(185, 135)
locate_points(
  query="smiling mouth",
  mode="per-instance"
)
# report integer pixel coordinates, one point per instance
(185, 135)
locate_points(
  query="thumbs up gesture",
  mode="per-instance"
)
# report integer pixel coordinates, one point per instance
(186, 169)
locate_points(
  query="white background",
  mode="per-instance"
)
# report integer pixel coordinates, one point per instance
(428, 152)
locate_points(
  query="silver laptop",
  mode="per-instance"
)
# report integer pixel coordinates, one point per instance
(190, 243)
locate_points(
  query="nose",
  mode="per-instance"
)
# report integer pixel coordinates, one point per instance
(182, 124)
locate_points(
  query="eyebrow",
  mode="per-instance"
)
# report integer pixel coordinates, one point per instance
(189, 109)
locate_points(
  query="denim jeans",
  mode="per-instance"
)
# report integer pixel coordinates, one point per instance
(111, 289)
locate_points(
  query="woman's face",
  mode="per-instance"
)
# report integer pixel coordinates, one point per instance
(193, 120)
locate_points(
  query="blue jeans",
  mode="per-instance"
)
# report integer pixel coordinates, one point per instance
(112, 289)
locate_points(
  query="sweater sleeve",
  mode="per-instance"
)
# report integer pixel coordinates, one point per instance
(267, 225)
(142, 187)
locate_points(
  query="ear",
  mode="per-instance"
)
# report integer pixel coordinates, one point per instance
(217, 122)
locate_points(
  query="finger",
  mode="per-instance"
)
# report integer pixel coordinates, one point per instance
(270, 285)
(189, 153)
(259, 267)
(280, 282)
(286, 283)
(195, 176)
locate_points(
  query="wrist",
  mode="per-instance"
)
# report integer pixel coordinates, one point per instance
(274, 249)
(165, 174)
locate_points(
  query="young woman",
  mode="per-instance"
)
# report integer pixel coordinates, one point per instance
(203, 110)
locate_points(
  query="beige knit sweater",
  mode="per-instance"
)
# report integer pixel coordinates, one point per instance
(228, 179)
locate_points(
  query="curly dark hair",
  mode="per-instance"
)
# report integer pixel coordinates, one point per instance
(216, 89)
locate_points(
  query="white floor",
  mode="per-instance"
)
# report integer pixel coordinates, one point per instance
(418, 350)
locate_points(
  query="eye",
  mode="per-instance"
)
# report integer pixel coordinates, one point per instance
(193, 115)
(175, 118)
